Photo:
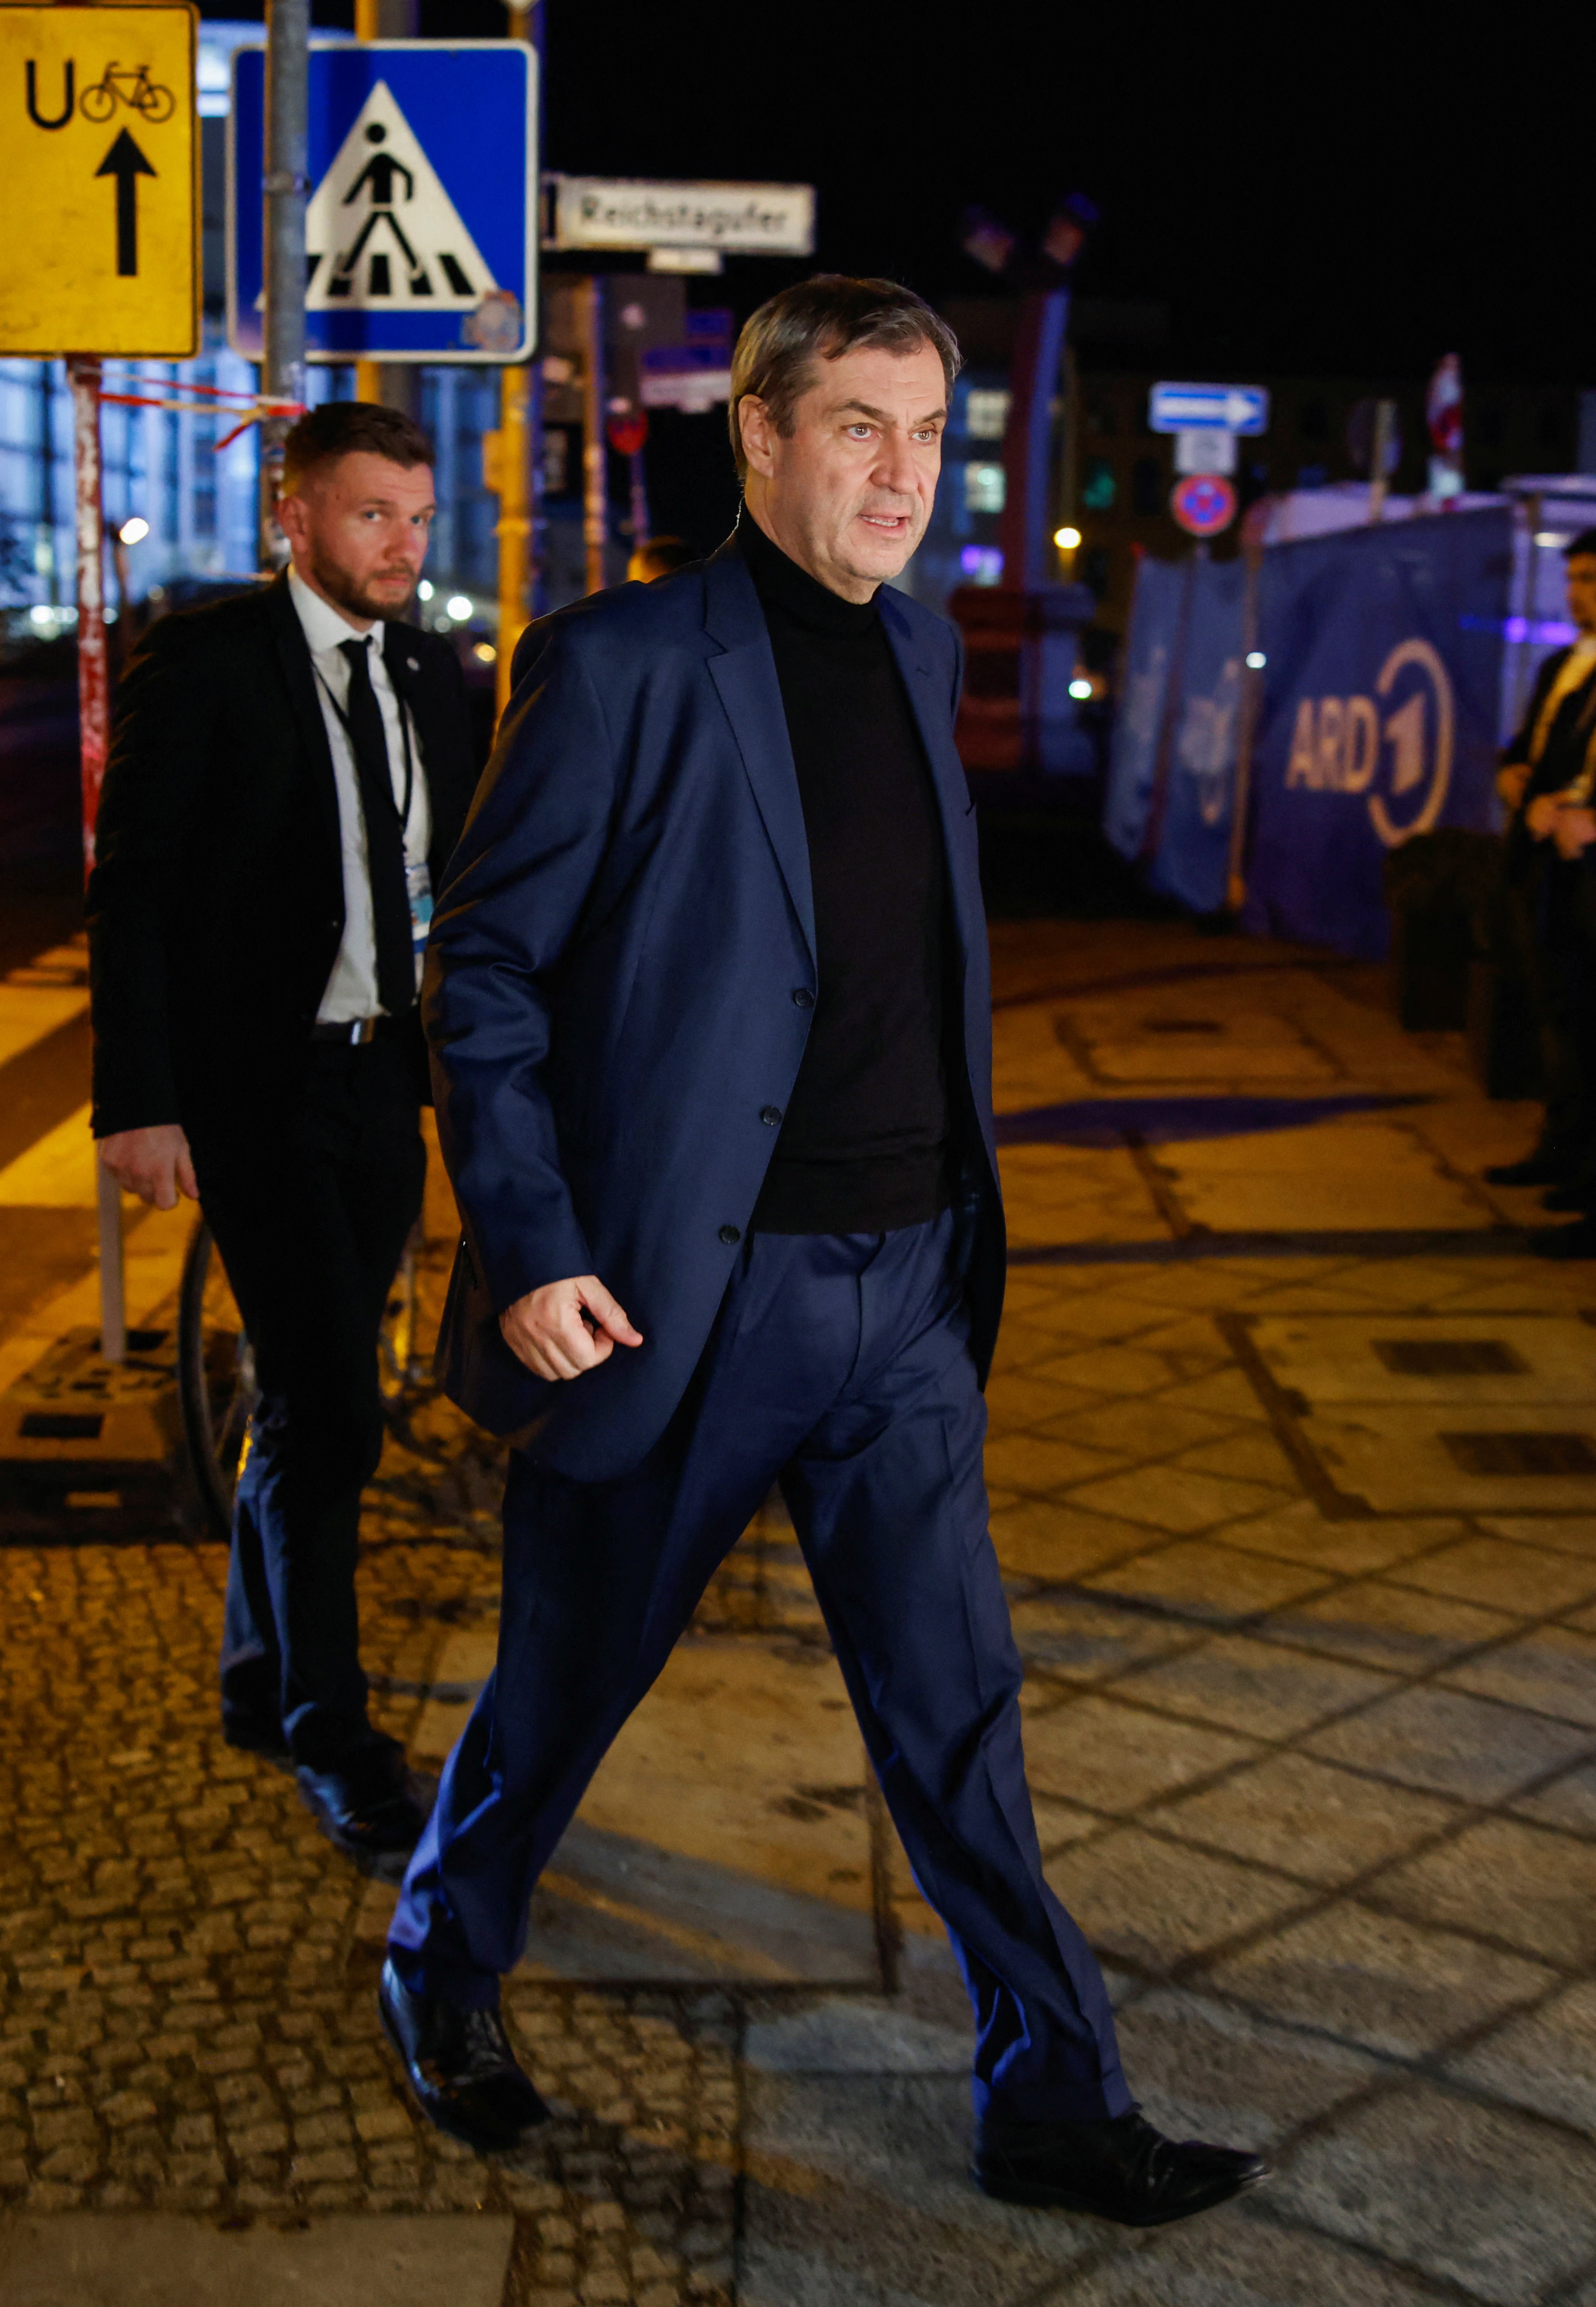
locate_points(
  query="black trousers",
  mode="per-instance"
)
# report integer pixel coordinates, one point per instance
(311, 1219)
(1548, 944)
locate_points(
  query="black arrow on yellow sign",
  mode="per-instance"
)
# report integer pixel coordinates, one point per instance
(128, 164)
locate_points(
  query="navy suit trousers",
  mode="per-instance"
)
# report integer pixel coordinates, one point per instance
(840, 1366)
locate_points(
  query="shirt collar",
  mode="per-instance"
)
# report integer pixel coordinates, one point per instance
(324, 628)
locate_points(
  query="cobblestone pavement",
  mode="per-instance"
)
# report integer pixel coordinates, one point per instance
(1293, 1477)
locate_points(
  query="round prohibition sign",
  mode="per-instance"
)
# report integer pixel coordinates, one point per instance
(1203, 503)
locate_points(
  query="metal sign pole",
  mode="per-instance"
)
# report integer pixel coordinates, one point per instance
(285, 186)
(94, 725)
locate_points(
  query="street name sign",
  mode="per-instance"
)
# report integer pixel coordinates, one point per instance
(421, 228)
(1208, 408)
(100, 252)
(620, 212)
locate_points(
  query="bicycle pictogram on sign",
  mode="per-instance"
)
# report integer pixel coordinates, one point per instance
(133, 85)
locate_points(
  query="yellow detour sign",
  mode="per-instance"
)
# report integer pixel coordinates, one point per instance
(101, 251)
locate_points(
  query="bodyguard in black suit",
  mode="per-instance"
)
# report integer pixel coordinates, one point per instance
(289, 773)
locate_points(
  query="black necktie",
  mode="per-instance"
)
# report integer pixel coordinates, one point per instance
(384, 836)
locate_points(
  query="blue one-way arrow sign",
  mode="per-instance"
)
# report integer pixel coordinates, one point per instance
(1208, 408)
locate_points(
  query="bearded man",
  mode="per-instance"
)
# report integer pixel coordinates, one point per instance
(289, 771)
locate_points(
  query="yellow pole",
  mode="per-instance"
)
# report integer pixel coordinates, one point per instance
(385, 19)
(506, 467)
(368, 26)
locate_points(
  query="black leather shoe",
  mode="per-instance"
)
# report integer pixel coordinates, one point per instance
(1118, 2168)
(461, 2070)
(1577, 1195)
(367, 1806)
(1540, 1167)
(1565, 1241)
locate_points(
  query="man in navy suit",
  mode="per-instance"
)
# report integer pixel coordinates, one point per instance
(708, 1003)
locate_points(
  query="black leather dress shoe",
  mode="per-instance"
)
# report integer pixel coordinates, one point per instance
(1565, 1241)
(368, 1806)
(1118, 2168)
(1540, 1167)
(461, 2070)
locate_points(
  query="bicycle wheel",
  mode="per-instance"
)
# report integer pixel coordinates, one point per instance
(156, 103)
(99, 101)
(216, 1378)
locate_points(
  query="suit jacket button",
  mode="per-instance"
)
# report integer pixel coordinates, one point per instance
(730, 1234)
(770, 1115)
(803, 998)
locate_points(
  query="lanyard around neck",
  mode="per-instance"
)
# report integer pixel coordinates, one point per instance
(404, 720)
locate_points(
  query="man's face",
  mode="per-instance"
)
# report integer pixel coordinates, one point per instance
(1581, 591)
(846, 494)
(358, 530)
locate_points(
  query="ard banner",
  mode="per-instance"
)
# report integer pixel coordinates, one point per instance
(1379, 713)
(1171, 784)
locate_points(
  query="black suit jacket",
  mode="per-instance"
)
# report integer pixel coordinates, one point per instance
(216, 906)
(1562, 758)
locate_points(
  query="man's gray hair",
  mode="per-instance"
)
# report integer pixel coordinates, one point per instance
(821, 320)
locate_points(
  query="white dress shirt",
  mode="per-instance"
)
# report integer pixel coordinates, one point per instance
(352, 988)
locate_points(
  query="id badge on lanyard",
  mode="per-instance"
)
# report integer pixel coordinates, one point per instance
(418, 887)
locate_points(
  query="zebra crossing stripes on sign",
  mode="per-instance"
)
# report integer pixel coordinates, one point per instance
(421, 239)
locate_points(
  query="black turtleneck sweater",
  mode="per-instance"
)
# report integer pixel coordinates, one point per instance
(863, 1144)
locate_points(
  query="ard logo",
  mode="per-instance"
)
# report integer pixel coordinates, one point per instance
(1392, 749)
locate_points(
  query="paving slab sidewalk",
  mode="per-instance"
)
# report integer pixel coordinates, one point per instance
(1311, 1717)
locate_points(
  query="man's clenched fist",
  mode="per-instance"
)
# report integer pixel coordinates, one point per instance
(566, 1327)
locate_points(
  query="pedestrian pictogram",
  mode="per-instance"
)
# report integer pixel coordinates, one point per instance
(98, 123)
(381, 230)
(421, 230)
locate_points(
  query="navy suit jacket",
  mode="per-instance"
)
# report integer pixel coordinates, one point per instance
(617, 985)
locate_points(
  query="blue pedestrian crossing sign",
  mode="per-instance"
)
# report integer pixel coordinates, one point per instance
(421, 228)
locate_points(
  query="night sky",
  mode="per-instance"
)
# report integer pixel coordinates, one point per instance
(1348, 192)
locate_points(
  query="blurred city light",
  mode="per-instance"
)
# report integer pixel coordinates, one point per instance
(134, 531)
(983, 565)
(458, 608)
(1080, 688)
(424, 591)
(1066, 539)
(1255, 660)
(485, 653)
